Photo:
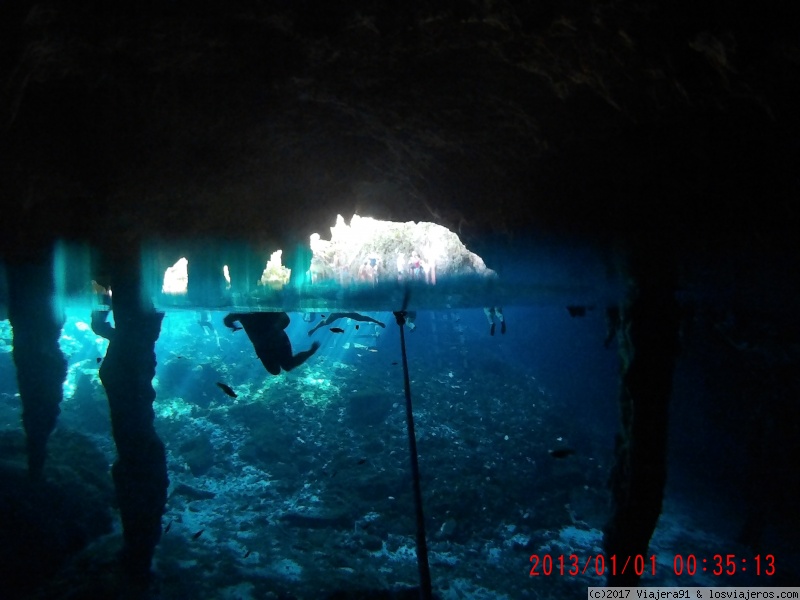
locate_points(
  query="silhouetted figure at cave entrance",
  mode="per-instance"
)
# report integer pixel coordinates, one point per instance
(272, 345)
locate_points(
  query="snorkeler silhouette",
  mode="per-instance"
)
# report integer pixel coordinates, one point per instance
(495, 311)
(350, 315)
(272, 345)
(204, 320)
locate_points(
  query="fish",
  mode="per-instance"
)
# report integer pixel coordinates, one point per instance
(198, 534)
(227, 389)
(167, 528)
(99, 360)
(337, 330)
(562, 452)
(361, 461)
(246, 554)
(394, 362)
(356, 326)
(577, 311)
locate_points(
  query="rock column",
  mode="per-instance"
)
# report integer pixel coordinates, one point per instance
(648, 342)
(140, 471)
(206, 287)
(245, 266)
(41, 366)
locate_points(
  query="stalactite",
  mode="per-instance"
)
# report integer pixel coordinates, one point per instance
(41, 366)
(206, 282)
(140, 471)
(648, 341)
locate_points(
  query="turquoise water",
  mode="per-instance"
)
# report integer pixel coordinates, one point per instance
(300, 486)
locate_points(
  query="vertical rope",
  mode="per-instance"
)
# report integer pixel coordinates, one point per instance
(422, 546)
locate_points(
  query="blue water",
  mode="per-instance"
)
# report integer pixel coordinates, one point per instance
(301, 485)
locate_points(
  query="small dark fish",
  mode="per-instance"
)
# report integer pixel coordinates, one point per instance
(235, 327)
(227, 389)
(394, 362)
(198, 534)
(167, 528)
(562, 452)
(337, 330)
(246, 554)
(99, 360)
(356, 326)
(361, 461)
(334, 474)
(322, 316)
(577, 311)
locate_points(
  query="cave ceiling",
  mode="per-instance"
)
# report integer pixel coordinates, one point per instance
(263, 119)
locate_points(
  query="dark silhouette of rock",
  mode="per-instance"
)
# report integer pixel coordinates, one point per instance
(199, 454)
(648, 332)
(41, 366)
(46, 522)
(140, 472)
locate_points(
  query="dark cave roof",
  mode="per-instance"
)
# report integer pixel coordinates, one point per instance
(261, 120)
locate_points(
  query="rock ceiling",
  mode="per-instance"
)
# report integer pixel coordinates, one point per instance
(262, 120)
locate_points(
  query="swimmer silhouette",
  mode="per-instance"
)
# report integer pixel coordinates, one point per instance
(350, 315)
(272, 345)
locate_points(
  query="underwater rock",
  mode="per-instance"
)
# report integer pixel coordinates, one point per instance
(192, 493)
(396, 594)
(368, 407)
(43, 524)
(316, 522)
(372, 543)
(186, 379)
(198, 454)
(269, 439)
(88, 400)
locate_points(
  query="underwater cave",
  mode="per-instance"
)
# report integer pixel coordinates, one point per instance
(453, 300)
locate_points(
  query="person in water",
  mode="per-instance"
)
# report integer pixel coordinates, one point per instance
(204, 320)
(272, 345)
(333, 317)
(493, 312)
